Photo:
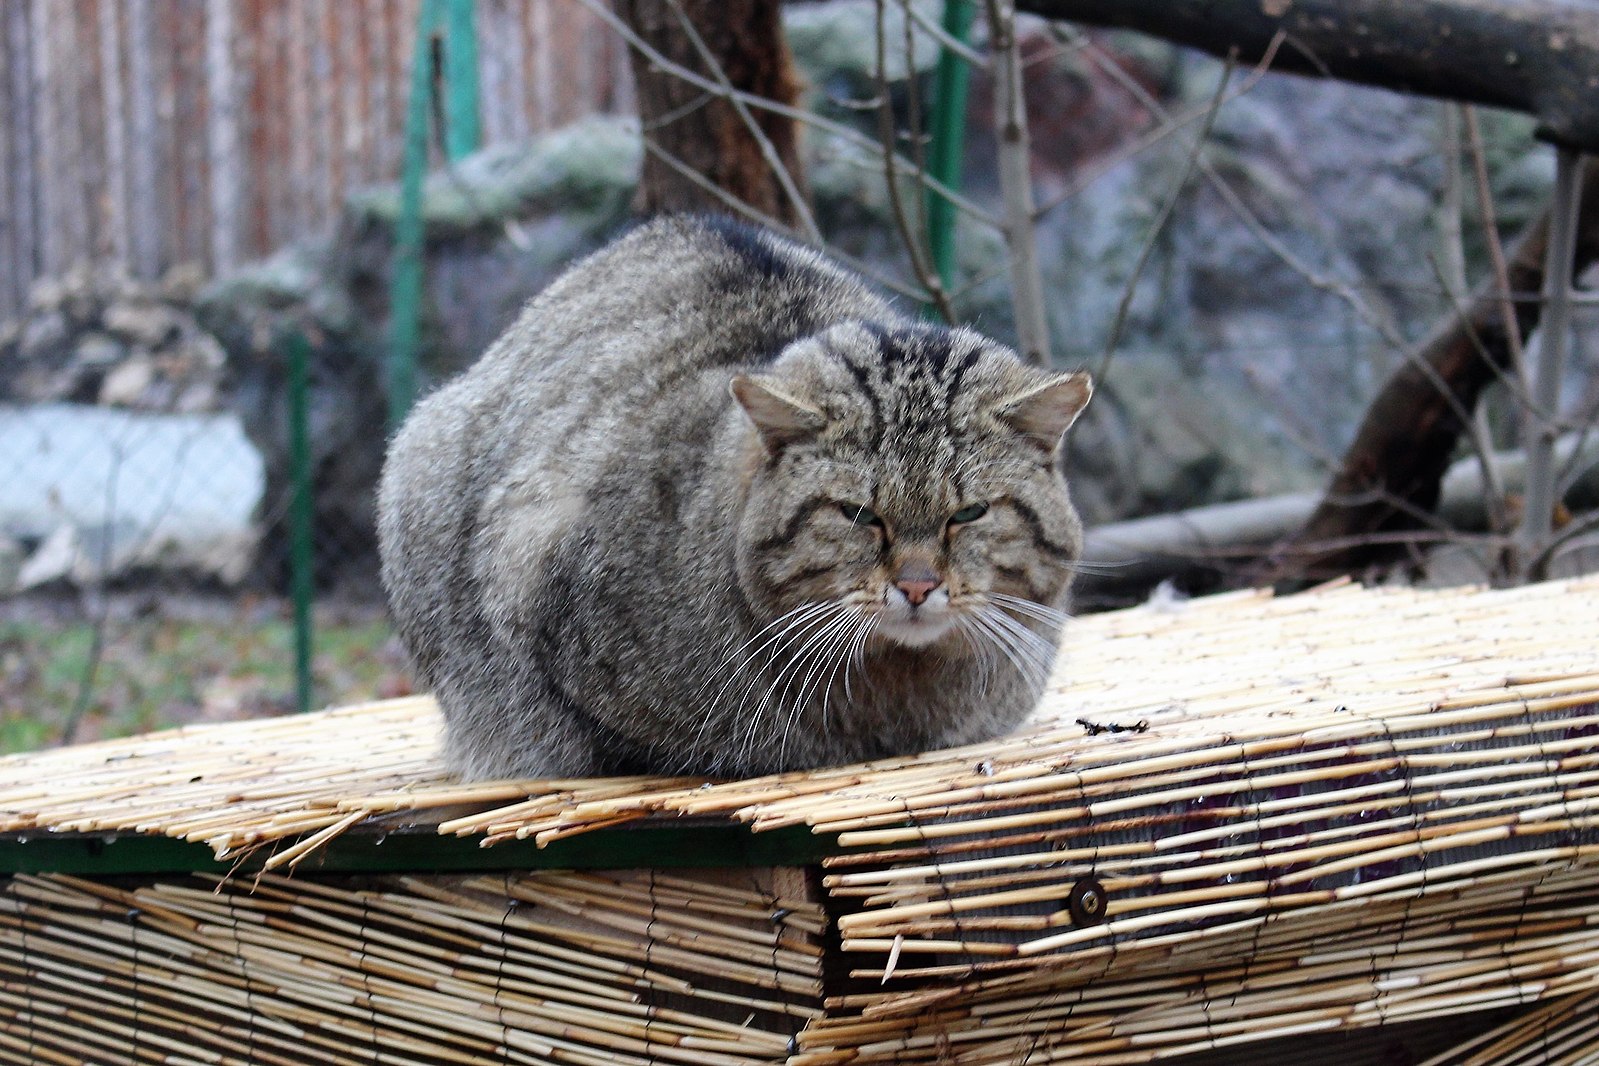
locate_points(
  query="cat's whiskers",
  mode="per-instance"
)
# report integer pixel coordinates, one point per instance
(857, 655)
(982, 626)
(1031, 655)
(1038, 651)
(1051, 617)
(785, 626)
(814, 626)
(964, 625)
(813, 652)
(845, 660)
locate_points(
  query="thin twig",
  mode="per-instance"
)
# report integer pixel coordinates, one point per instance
(971, 55)
(916, 130)
(1337, 287)
(1544, 386)
(846, 133)
(1016, 185)
(1490, 234)
(1476, 427)
(754, 214)
(1113, 337)
(909, 234)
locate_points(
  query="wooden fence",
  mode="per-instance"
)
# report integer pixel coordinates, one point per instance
(149, 133)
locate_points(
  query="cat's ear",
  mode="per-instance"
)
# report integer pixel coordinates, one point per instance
(1046, 412)
(780, 419)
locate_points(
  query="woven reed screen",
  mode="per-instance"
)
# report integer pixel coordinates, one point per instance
(1231, 820)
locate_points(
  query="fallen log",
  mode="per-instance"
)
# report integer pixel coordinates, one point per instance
(1205, 543)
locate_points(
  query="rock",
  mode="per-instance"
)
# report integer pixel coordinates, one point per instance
(205, 351)
(51, 561)
(498, 229)
(147, 324)
(46, 295)
(128, 384)
(182, 494)
(45, 337)
(835, 44)
(251, 313)
(12, 555)
(589, 167)
(182, 282)
(98, 350)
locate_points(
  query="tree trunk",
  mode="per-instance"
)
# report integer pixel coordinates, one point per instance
(689, 131)
(1392, 470)
(1536, 56)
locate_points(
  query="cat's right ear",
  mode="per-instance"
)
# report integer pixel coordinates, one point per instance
(780, 419)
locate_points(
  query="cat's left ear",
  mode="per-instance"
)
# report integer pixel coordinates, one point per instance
(1045, 413)
(779, 418)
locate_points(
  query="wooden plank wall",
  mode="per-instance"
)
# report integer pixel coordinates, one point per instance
(149, 133)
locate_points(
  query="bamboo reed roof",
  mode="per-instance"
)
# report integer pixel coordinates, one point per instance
(1173, 694)
(1230, 818)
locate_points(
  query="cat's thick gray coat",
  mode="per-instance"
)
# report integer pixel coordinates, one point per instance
(712, 506)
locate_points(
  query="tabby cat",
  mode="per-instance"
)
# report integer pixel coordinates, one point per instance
(712, 506)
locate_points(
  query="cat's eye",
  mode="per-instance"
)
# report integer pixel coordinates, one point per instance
(861, 516)
(968, 514)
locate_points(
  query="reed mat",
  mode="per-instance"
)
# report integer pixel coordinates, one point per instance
(1230, 820)
(630, 968)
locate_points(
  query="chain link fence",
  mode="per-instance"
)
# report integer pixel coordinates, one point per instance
(176, 181)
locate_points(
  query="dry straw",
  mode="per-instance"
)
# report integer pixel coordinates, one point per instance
(531, 968)
(1230, 819)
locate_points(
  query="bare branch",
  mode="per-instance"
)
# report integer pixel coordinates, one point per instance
(909, 234)
(1335, 286)
(1536, 56)
(1413, 425)
(848, 134)
(972, 55)
(1159, 223)
(1490, 233)
(748, 211)
(1016, 185)
(1538, 514)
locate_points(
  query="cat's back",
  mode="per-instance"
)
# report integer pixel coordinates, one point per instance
(671, 297)
(620, 364)
(664, 315)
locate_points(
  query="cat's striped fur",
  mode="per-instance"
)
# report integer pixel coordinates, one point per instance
(712, 506)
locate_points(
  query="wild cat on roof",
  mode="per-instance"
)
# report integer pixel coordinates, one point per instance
(713, 506)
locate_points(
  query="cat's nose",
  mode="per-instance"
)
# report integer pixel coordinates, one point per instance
(917, 581)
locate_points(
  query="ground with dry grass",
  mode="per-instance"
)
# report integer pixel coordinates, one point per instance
(134, 665)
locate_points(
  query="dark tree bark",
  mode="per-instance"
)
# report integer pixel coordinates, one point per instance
(1393, 469)
(1536, 56)
(690, 130)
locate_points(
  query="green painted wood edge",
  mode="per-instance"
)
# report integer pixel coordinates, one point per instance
(462, 126)
(302, 518)
(947, 144)
(424, 851)
(405, 285)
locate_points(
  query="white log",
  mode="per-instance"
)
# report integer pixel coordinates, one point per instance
(1147, 549)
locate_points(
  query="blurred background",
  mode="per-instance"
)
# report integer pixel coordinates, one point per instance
(238, 236)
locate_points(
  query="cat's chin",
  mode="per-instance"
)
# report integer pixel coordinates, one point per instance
(914, 632)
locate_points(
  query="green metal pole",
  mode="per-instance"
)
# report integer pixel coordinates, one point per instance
(405, 285)
(302, 559)
(948, 141)
(461, 130)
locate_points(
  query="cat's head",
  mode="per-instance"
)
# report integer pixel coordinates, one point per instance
(904, 487)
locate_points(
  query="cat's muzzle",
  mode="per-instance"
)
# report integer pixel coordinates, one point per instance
(915, 624)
